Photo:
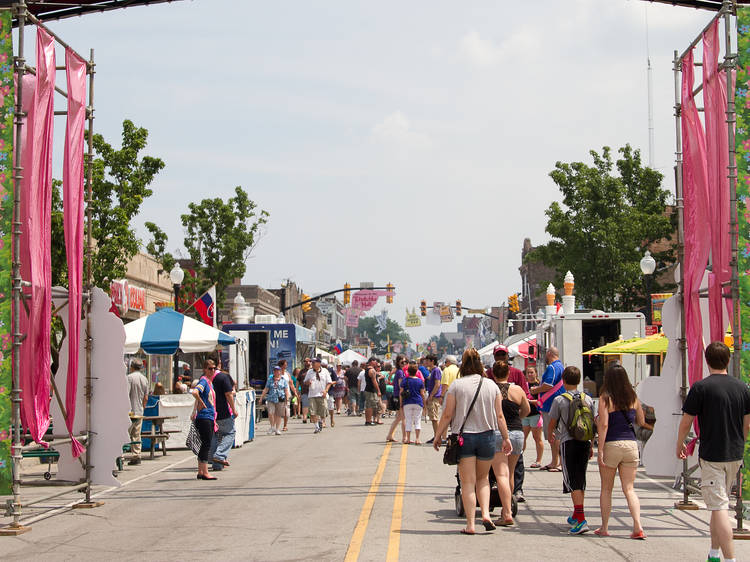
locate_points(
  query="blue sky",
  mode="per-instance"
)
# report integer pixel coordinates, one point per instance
(407, 142)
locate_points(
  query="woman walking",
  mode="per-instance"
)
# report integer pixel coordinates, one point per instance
(533, 422)
(205, 416)
(619, 409)
(476, 424)
(277, 390)
(412, 402)
(401, 362)
(515, 407)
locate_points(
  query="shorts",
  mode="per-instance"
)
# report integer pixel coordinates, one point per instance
(479, 445)
(532, 421)
(621, 453)
(305, 401)
(353, 395)
(318, 406)
(717, 479)
(330, 402)
(575, 461)
(432, 409)
(545, 423)
(516, 439)
(372, 400)
(277, 409)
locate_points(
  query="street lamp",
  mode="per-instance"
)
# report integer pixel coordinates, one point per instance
(176, 276)
(648, 266)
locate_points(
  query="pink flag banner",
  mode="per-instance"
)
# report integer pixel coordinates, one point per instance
(717, 154)
(7, 101)
(73, 223)
(352, 317)
(35, 246)
(697, 234)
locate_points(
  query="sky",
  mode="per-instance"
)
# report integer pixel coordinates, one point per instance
(402, 142)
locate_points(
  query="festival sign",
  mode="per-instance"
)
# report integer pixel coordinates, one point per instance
(742, 147)
(446, 314)
(412, 319)
(365, 299)
(657, 302)
(352, 317)
(6, 218)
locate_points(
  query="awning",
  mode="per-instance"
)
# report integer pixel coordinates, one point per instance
(166, 331)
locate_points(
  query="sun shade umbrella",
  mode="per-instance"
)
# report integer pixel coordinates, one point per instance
(651, 345)
(166, 331)
(614, 348)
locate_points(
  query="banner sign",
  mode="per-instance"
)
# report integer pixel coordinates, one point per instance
(412, 319)
(446, 314)
(471, 326)
(742, 147)
(397, 347)
(6, 220)
(365, 299)
(382, 320)
(352, 317)
(324, 306)
(126, 297)
(657, 302)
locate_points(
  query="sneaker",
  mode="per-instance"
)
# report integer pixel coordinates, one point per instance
(270, 431)
(134, 462)
(579, 528)
(520, 497)
(320, 426)
(278, 432)
(317, 429)
(572, 520)
(713, 559)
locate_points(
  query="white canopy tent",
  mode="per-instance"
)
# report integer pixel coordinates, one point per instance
(348, 356)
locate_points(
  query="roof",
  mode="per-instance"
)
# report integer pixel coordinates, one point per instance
(714, 5)
(59, 9)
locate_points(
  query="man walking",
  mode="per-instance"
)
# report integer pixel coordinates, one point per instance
(722, 405)
(575, 453)
(450, 373)
(550, 388)
(353, 384)
(434, 392)
(319, 383)
(372, 392)
(138, 394)
(226, 411)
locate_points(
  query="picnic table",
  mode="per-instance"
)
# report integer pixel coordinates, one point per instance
(157, 434)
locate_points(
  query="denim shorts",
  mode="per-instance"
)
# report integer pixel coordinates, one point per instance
(479, 445)
(531, 421)
(516, 439)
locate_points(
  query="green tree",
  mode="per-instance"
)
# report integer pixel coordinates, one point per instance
(157, 247)
(368, 327)
(605, 223)
(219, 238)
(121, 180)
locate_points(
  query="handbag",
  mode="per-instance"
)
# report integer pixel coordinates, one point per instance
(455, 440)
(193, 441)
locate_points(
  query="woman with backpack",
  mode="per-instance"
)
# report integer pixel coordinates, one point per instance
(619, 409)
(515, 406)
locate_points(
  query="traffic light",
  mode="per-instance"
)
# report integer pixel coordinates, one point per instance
(347, 293)
(306, 306)
(372, 345)
(513, 303)
(458, 308)
(423, 307)
(389, 298)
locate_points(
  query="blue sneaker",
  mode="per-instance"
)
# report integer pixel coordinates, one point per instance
(579, 528)
(572, 520)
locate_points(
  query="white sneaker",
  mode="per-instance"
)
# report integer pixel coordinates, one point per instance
(278, 432)
(270, 431)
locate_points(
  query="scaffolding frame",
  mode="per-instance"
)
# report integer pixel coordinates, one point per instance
(727, 12)
(23, 16)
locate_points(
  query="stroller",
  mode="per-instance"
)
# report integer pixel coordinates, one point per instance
(494, 497)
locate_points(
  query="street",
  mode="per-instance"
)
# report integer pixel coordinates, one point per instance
(341, 495)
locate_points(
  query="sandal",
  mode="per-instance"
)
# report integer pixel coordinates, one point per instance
(285, 429)
(488, 525)
(640, 535)
(465, 532)
(598, 532)
(504, 522)
(535, 465)
(417, 442)
(554, 469)
(389, 440)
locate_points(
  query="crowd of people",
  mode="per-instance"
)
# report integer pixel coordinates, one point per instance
(494, 410)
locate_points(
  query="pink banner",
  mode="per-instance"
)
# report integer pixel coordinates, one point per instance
(352, 317)
(717, 153)
(696, 220)
(73, 221)
(36, 210)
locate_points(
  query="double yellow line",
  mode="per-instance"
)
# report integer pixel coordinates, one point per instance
(355, 544)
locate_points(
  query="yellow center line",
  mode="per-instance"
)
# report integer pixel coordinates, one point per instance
(394, 539)
(355, 544)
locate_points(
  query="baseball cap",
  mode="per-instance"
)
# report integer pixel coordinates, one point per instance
(316, 359)
(276, 368)
(499, 348)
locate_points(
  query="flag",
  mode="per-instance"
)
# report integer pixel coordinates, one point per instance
(338, 348)
(205, 307)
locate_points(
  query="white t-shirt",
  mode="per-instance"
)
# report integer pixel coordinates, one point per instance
(362, 381)
(317, 387)
(482, 416)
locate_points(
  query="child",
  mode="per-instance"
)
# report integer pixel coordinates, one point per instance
(575, 454)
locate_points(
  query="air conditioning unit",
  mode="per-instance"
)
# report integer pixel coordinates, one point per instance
(265, 319)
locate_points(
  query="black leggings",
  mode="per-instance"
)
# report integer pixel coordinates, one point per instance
(206, 431)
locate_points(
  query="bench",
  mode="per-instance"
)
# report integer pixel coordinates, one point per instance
(47, 456)
(154, 438)
(126, 448)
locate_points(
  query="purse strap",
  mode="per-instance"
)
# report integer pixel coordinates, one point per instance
(481, 380)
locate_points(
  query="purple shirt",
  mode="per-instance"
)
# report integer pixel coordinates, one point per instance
(435, 375)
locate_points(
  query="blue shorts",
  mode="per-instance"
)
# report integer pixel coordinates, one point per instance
(516, 439)
(479, 445)
(531, 421)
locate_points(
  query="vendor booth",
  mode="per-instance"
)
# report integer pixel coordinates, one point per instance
(163, 333)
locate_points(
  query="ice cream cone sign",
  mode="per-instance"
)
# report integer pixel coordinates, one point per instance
(570, 282)
(550, 294)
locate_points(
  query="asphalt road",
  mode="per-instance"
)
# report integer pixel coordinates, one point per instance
(341, 495)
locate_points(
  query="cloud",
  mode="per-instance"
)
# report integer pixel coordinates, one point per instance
(396, 130)
(479, 51)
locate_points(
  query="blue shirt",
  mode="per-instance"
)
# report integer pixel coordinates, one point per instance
(552, 375)
(276, 389)
(433, 378)
(205, 389)
(414, 386)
